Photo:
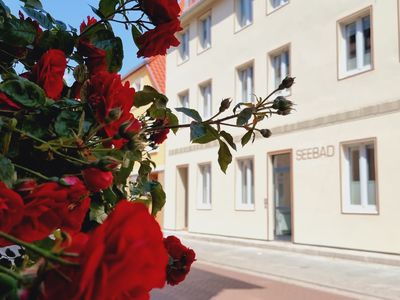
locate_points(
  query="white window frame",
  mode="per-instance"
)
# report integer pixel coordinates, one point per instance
(205, 105)
(245, 83)
(276, 4)
(244, 13)
(361, 66)
(204, 186)
(204, 39)
(184, 102)
(284, 68)
(241, 202)
(184, 53)
(364, 207)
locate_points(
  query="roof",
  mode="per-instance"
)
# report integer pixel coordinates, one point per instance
(155, 67)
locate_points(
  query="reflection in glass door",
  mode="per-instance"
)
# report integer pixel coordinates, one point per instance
(282, 196)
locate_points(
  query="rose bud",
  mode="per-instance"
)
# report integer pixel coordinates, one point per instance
(266, 133)
(81, 73)
(225, 104)
(114, 115)
(97, 179)
(108, 163)
(286, 83)
(281, 104)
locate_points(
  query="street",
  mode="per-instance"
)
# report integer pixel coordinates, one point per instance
(209, 282)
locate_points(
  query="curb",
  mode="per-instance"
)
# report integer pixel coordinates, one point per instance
(336, 253)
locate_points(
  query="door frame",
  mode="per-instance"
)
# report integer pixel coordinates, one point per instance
(270, 201)
(186, 212)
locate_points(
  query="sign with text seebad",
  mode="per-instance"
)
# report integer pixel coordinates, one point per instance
(315, 152)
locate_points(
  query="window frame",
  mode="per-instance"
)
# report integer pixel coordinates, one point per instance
(239, 204)
(182, 117)
(200, 192)
(271, 8)
(239, 83)
(342, 44)
(184, 32)
(271, 69)
(238, 23)
(363, 208)
(200, 47)
(202, 99)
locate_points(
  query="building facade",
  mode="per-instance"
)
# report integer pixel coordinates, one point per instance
(328, 175)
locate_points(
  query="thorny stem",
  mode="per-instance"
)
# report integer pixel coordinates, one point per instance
(11, 273)
(32, 172)
(46, 254)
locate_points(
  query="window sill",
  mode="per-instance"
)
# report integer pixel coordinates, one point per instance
(241, 28)
(272, 10)
(245, 208)
(182, 61)
(204, 207)
(358, 210)
(202, 50)
(348, 74)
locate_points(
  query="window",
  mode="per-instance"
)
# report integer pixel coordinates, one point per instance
(205, 33)
(206, 103)
(184, 102)
(244, 9)
(278, 3)
(245, 184)
(204, 186)
(356, 45)
(184, 46)
(280, 68)
(359, 180)
(245, 84)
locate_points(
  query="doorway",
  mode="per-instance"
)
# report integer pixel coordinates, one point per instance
(182, 201)
(282, 195)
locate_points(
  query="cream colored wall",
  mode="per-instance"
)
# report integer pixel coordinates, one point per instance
(310, 27)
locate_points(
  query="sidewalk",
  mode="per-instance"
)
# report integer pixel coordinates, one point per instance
(351, 273)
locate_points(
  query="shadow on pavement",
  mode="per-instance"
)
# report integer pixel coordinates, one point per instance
(200, 285)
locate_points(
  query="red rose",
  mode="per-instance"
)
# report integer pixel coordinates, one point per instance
(90, 21)
(95, 57)
(181, 258)
(111, 102)
(51, 206)
(157, 40)
(11, 208)
(7, 104)
(161, 11)
(160, 136)
(49, 73)
(97, 179)
(124, 258)
(25, 187)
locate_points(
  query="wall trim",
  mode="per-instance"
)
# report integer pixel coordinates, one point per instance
(328, 120)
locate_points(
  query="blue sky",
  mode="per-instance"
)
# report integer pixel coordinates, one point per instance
(73, 12)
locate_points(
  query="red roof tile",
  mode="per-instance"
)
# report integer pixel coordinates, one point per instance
(156, 69)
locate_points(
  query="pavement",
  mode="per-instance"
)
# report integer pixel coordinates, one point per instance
(282, 273)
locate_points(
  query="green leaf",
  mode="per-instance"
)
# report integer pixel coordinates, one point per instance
(224, 156)
(172, 120)
(19, 33)
(40, 16)
(105, 39)
(35, 126)
(109, 196)
(97, 12)
(228, 138)
(8, 285)
(67, 123)
(190, 113)
(33, 3)
(157, 196)
(6, 171)
(5, 9)
(107, 7)
(97, 212)
(244, 116)
(202, 133)
(136, 34)
(246, 138)
(24, 92)
(146, 96)
(122, 175)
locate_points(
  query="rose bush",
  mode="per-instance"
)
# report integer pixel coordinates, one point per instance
(67, 150)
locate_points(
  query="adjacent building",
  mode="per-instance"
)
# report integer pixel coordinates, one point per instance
(150, 72)
(329, 174)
